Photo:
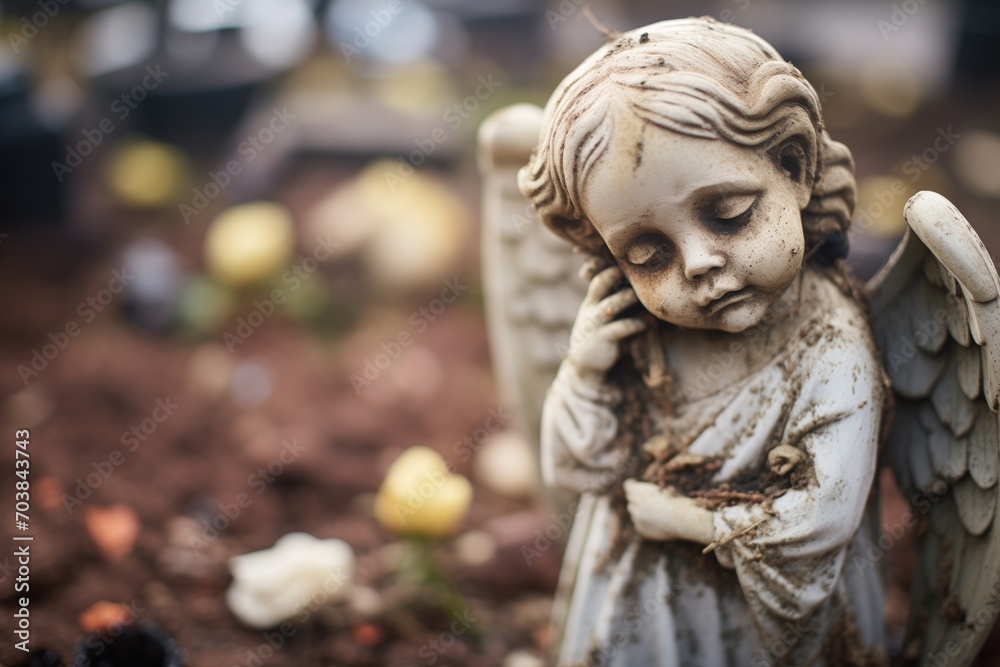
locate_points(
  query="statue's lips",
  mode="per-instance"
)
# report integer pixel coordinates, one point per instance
(727, 299)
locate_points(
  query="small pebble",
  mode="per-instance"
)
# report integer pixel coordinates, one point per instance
(476, 547)
(29, 407)
(152, 293)
(102, 615)
(250, 384)
(368, 634)
(507, 464)
(365, 601)
(209, 369)
(523, 659)
(49, 492)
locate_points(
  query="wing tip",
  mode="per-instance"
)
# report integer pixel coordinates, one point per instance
(954, 242)
(508, 135)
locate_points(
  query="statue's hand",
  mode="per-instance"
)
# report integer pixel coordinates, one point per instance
(593, 343)
(665, 514)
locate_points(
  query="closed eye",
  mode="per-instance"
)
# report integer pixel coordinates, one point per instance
(649, 255)
(739, 219)
(731, 214)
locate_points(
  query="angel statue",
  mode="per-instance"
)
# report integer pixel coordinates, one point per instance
(718, 389)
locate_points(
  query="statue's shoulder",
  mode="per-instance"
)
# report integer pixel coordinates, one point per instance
(836, 332)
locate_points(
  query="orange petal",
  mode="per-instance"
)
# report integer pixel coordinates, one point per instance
(114, 529)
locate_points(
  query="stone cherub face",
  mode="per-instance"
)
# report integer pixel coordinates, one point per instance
(710, 179)
(708, 233)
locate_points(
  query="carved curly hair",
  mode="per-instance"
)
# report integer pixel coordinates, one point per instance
(699, 78)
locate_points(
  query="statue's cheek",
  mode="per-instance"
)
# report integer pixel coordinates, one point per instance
(649, 287)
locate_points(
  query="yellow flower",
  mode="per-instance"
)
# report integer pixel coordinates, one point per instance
(249, 243)
(148, 174)
(420, 497)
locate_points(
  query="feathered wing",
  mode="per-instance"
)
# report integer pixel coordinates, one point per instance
(530, 276)
(936, 317)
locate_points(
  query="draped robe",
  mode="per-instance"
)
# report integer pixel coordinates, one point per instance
(790, 580)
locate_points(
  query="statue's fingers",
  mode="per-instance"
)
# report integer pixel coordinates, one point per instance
(620, 329)
(602, 284)
(617, 302)
(639, 494)
(633, 492)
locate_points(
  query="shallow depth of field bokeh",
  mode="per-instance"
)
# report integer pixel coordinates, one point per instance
(240, 269)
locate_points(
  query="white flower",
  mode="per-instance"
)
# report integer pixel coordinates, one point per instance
(299, 571)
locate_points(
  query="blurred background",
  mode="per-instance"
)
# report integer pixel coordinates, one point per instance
(239, 258)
